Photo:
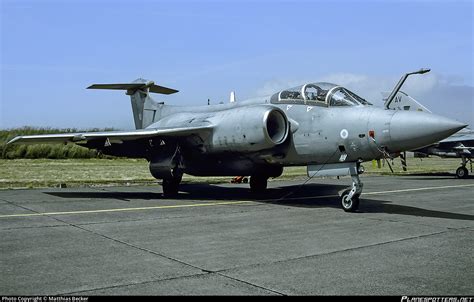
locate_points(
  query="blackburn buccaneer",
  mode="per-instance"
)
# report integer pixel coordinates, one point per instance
(323, 126)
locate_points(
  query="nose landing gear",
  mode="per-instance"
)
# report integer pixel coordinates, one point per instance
(350, 197)
(462, 171)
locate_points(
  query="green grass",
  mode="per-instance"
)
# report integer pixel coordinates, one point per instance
(34, 173)
(425, 165)
(72, 172)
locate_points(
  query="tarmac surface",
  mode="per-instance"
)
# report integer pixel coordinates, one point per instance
(412, 235)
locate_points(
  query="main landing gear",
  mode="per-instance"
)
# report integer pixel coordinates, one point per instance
(462, 171)
(171, 185)
(350, 197)
(258, 180)
(258, 183)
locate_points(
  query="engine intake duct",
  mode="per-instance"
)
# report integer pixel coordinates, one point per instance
(276, 126)
(249, 129)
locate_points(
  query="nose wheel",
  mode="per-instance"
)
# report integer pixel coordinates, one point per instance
(463, 172)
(349, 204)
(350, 197)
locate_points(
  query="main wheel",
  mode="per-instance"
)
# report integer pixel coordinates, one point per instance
(258, 183)
(349, 205)
(171, 186)
(462, 172)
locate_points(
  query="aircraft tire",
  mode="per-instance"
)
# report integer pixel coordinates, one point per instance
(258, 183)
(349, 205)
(462, 172)
(171, 186)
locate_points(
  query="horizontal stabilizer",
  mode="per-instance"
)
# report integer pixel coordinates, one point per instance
(137, 85)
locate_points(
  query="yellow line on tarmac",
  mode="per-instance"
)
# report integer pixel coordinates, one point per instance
(129, 209)
(375, 193)
(224, 203)
(369, 193)
(418, 189)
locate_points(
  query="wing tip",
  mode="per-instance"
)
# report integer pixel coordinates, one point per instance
(14, 140)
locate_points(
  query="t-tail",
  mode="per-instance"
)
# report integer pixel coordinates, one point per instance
(145, 109)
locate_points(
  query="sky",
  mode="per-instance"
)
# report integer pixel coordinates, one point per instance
(51, 50)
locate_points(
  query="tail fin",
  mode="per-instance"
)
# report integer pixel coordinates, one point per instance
(145, 109)
(403, 101)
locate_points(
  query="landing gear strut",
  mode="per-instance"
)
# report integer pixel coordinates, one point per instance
(171, 186)
(258, 183)
(350, 197)
(462, 171)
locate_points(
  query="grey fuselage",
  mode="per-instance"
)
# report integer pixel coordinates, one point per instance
(317, 135)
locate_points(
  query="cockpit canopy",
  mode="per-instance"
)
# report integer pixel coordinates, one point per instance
(323, 94)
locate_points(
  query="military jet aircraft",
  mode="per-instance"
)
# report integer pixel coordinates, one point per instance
(323, 126)
(459, 145)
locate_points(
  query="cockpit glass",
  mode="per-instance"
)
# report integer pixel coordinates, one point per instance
(325, 94)
(340, 97)
(358, 98)
(316, 92)
(291, 94)
(311, 93)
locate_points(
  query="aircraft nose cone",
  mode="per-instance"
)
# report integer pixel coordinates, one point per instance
(412, 129)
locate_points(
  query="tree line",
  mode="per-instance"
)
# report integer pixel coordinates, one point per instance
(52, 151)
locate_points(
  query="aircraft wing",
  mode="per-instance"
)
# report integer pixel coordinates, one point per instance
(112, 136)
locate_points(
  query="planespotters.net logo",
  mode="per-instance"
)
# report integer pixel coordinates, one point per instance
(437, 299)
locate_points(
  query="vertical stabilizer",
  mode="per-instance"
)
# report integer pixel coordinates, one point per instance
(403, 101)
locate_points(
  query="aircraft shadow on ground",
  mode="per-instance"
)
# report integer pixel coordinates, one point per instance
(204, 192)
(307, 196)
(377, 206)
(438, 175)
(125, 196)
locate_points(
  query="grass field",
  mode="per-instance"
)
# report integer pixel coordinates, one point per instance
(35, 173)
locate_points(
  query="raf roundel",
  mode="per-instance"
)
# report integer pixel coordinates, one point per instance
(344, 133)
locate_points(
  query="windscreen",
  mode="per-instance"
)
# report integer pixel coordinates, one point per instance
(340, 96)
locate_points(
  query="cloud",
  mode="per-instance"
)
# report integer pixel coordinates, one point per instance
(276, 85)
